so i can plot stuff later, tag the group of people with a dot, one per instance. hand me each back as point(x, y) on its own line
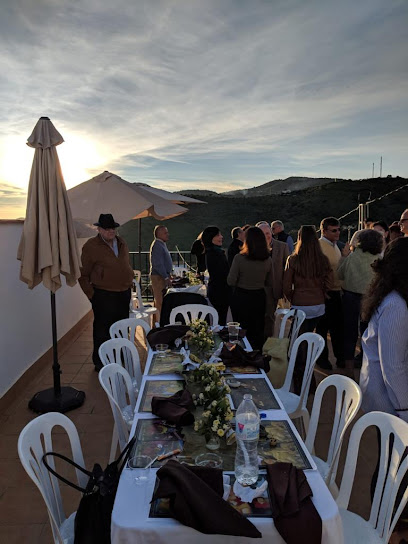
point(345, 289)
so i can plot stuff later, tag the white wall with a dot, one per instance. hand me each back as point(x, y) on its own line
point(25, 315)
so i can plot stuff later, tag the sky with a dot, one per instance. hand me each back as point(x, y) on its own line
point(203, 94)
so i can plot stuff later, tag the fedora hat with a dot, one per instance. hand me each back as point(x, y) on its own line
point(106, 221)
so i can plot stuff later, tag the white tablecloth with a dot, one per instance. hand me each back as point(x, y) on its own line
point(200, 289)
point(130, 517)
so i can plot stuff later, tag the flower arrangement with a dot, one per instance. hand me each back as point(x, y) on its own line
point(194, 279)
point(217, 412)
point(200, 336)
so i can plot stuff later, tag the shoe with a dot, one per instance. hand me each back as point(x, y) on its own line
point(325, 365)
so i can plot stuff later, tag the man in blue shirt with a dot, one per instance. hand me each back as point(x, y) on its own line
point(161, 264)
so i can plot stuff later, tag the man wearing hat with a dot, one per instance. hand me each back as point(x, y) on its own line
point(106, 279)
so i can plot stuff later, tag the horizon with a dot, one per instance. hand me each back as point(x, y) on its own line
point(220, 97)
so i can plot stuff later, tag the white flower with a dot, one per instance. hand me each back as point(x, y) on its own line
point(214, 402)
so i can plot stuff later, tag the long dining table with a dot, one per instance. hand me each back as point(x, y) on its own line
point(133, 518)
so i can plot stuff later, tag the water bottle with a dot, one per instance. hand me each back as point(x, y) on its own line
point(247, 435)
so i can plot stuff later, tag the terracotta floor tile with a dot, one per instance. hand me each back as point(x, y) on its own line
point(22, 534)
point(23, 505)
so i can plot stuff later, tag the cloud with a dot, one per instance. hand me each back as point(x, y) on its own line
point(212, 92)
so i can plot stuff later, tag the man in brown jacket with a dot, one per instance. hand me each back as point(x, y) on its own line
point(106, 279)
point(279, 255)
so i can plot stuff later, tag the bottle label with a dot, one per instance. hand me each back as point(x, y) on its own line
point(247, 431)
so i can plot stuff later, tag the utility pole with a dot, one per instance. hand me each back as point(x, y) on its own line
point(372, 175)
point(381, 167)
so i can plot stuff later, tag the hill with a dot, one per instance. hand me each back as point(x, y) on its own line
point(282, 186)
point(306, 206)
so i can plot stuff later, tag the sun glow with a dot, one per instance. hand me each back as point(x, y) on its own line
point(80, 159)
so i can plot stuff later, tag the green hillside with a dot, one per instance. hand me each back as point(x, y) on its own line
point(308, 206)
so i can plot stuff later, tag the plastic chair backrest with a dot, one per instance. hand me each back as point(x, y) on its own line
point(123, 352)
point(117, 384)
point(392, 468)
point(34, 441)
point(139, 300)
point(298, 317)
point(189, 312)
point(179, 271)
point(315, 345)
point(348, 401)
point(126, 328)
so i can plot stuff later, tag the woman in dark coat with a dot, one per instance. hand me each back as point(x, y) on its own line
point(217, 265)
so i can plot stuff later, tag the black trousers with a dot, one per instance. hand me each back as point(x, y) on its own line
point(308, 325)
point(108, 307)
point(248, 308)
point(220, 299)
point(332, 321)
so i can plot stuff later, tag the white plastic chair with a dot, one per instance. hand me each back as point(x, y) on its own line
point(295, 405)
point(298, 317)
point(193, 311)
point(137, 275)
point(348, 401)
point(34, 441)
point(385, 512)
point(117, 384)
point(127, 328)
point(137, 307)
point(123, 352)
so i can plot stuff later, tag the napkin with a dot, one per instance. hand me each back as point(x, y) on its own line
point(187, 362)
point(215, 357)
point(166, 335)
point(195, 495)
point(248, 494)
point(174, 409)
point(293, 511)
point(237, 356)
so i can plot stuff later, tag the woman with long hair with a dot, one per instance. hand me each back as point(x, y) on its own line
point(217, 265)
point(384, 374)
point(356, 272)
point(250, 273)
point(305, 283)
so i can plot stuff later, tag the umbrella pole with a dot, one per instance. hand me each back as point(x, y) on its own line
point(57, 398)
point(140, 246)
point(55, 366)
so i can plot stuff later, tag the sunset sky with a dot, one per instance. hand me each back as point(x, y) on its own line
point(204, 94)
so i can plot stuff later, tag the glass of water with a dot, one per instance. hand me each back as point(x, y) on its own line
point(141, 465)
point(233, 330)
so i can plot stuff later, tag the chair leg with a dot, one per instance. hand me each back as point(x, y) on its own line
point(114, 444)
point(305, 420)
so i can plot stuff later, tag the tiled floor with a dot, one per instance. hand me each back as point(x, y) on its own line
point(23, 516)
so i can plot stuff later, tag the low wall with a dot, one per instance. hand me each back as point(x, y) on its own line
point(25, 315)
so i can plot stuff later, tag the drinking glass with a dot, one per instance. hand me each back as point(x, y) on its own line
point(161, 349)
point(141, 464)
point(233, 329)
point(211, 460)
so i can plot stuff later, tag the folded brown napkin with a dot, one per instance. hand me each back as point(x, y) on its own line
point(293, 511)
point(174, 409)
point(237, 356)
point(166, 335)
point(195, 495)
point(224, 334)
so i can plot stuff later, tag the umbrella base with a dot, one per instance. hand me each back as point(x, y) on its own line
point(46, 401)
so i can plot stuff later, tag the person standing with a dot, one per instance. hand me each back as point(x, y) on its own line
point(161, 264)
point(219, 292)
point(238, 237)
point(106, 279)
point(305, 283)
point(197, 249)
point(332, 321)
point(356, 272)
point(403, 222)
point(279, 252)
point(278, 232)
point(250, 273)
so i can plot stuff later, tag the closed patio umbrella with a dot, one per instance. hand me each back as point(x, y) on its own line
point(48, 248)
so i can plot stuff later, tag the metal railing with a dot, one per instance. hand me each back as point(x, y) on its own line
point(142, 263)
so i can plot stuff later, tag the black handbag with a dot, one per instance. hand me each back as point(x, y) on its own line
point(93, 517)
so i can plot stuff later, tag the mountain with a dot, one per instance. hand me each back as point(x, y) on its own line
point(282, 186)
point(197, 192)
